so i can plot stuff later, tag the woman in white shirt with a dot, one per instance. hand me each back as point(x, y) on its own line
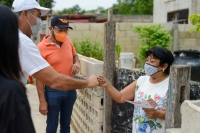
point(153, 85)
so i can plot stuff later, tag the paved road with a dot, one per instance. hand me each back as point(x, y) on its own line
point(38, 119)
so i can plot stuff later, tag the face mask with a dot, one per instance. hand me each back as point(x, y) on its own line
point(36, 28)
point(150, 70)
point(60, 36)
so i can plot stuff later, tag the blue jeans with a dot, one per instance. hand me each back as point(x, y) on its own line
point(59, 102)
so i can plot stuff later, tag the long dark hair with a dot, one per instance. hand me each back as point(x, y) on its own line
point(9, 43)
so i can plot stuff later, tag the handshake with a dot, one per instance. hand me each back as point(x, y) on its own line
point(94, 81)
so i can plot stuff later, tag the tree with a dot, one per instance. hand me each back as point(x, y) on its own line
point(73, 10)
point(143, 7)
point(151, 36)
point(7, 2)
point(45, 3)
point(123, 7)
point(133, 7)
point(99, 10)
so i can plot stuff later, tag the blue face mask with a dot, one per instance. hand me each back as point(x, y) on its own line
point(36, 28)
point(150, 70)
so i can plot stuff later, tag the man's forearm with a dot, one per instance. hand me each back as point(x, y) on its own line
point(64, 82)
point(40, 90)
point(53, 79)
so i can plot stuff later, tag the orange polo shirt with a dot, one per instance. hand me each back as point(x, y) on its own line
point(60, 58)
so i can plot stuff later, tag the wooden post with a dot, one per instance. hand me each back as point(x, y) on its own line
point(108, 70)
point(179, 90)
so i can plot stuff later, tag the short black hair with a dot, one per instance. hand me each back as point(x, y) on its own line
point(164, 55)
point(9, 39)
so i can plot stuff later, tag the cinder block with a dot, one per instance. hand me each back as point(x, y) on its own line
point(97, 101)
point(125, 41)
point(90, 34)
point(125, 26)
point(83, 62)
point(132, 48)
point(190, 111)
point(130, 33)
point(189, 41)
point(76, 34)
point(136, 41)
point(95, 67)
point(91, 66)
point(97, 26)
point(97, 127)
point(120, 34)
point(82, 26)
point(100, 34)
point(99, 91)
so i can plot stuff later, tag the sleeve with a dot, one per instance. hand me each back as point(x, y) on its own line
point(30, 58)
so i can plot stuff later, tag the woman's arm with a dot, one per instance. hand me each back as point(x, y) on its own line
point(128, 93)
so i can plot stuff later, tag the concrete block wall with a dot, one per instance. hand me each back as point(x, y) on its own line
point(128, 40)
point(128, 18)
point(87, 116)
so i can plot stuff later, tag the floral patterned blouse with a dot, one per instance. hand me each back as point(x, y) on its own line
point(144, 91)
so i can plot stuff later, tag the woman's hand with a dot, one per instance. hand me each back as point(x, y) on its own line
point(153, 113)
point(103, 82)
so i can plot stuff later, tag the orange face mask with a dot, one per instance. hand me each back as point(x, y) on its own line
point(60, 36)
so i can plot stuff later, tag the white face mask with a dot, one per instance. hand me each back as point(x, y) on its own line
point(36, 28)
point(150, 70)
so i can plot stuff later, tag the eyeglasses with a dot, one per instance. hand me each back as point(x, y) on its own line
point(61, 30)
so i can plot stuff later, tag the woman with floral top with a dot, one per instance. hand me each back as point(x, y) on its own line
point(153, 85)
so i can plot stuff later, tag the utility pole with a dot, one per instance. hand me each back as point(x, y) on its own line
point(109, 66)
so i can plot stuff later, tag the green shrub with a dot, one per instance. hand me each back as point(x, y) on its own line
point(195, 19)
point(90, 49)
point(117, 51)
point(151, 36)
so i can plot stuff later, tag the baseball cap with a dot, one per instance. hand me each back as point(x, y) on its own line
point(20, 5)
point(61, 22)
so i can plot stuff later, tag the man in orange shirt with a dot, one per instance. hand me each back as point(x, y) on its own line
point(58, 50)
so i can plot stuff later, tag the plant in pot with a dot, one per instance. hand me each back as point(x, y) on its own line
point(151, 36)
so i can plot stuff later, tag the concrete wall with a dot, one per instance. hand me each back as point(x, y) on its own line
point(190, 111)
point(128, 18)
point(128, 40)
point(162, 7)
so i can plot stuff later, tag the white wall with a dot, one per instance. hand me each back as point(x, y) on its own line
point(162, 7)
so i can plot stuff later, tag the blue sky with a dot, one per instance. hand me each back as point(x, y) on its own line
point(84, 4)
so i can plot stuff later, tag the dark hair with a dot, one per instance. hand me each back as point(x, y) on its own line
point(9, 58)
point(164, 55)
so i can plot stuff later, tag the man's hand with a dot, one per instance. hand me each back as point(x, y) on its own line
point(92, 82)
point(75, 68)
point(43, 107)
point(103, 82)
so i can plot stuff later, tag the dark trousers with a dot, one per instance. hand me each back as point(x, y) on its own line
point(59, 103)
